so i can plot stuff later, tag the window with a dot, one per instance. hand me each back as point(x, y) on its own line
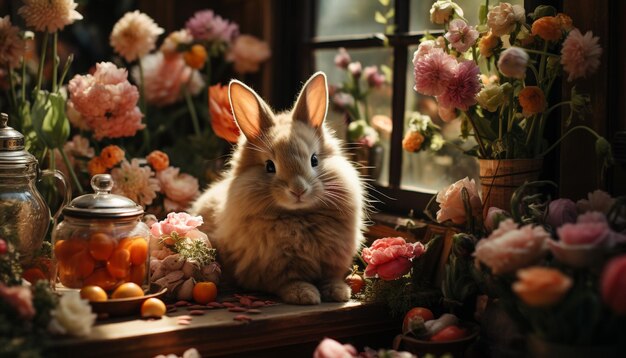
point(406, 180)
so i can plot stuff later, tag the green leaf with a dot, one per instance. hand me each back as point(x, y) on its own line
point(482, 14)
point(379, 18)
point(391, 13)
point(49, 119)
point(384, 2)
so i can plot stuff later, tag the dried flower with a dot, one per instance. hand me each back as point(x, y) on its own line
point(222, 120)
point(532, 100)
point(433, 72)
point(390, 258)
point(580, 54)
point(443, 10)
point(134, 35)
point(12, 46)
point(195, 57)
point(342, 59)
point(614, 285)
point(111, 155)
point(247, 53)
point(158, 160)
point(135, 182)
point(412, 141)
point(174, 40)
point(513, 62)
point(487, 44)
point(504, 17)
point(462, 89)
point(451, 204)
point(541, 286)
point(49, 15)
point(205, 25)
point(460, 35)
point(72, 316)
point(20, 298)
point(179, 189)
point(548, 28)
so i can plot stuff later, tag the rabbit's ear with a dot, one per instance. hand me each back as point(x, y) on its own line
point(312, 103)
point(251, 113)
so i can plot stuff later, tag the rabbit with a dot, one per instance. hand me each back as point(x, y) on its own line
point(289, 214)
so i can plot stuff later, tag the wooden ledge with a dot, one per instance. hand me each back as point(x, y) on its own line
point(281, 328)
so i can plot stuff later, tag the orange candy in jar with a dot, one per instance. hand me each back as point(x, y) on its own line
point(101, 240)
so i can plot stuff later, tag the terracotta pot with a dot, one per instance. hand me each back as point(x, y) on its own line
point(499, 178)
point(539, 348)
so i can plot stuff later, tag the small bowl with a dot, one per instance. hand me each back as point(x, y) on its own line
point(123, 306)
point(421, 347)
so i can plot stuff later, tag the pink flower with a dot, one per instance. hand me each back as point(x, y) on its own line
point(513, 62)
point(451, 206)
point(342, 59)
point(20, 298)
point(106, 102)
point(561, 211)
point(355, 69)
point(165, 78)
point(433, 72)
point(174, 40)
point(447, 114)
point(374, 78)
point(181, 223)
point(247, 53)
point(205, 25)
point(136, 182)
point(461, 35)
point(78, 151)
point(49, 15)
point(503, 18)
point(12, 45)
point(424, 48)
point(342, 100)
point(509, 248)
point(390, 257)
point(494, 217)
point(134, 35)
point(462, 89)
point(580, 55)
point(596, 201)
point(582, 244)
point(179, 189)
point(329, 348)
point(613, 285)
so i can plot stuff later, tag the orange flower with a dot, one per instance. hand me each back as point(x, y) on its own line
point(111, 155)
point(222, 120)
point(541, 286)
point(566, 22)
point(96, 166)
point(412, 142)
point(158, 160)
point(195, 57)
point(532, 100)
point(487, 43)
point(548, 28)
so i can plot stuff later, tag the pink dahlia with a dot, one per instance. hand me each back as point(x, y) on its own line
point(433, 71)
point(134, 35)
point(165, 77)
point(580, 54)
point(462, 89)
point(461, 35)
point(179, 189)
point(49, 15)
point(135, 181)
point(106, 101)
point(205, 25)
point(12, 45)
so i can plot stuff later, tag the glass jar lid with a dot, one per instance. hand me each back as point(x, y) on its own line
point(12, 146)
point(102, 204)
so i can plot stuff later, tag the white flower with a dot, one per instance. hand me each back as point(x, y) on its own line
point(419, 122)
point(436, 142)
point(493, 95)
point(72, 316)
point(442, 11)
point(513, 62)
point(503, 18)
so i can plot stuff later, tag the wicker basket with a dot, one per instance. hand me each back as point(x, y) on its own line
point(499, 178)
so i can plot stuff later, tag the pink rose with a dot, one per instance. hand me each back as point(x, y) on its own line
point(451, 203)
point(179, 189)
point(329, 348)
point(509, 248)
point(181, 223)
point(494, 217)
point(390, 257)
point(614, 285)
point(561, 211)
point(20, 298)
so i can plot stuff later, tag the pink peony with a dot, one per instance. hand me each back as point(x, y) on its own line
point(355, 69)
point(390, 257)
point(424, 48)
point(462, 89)
point(205, 25)
point(165, 78)
point(451, 203)
point(181, 223)
point(460, 35)
point(433, 72)
point(12, 45)
point(329, 348)
point(342, 59)
point(49, 15)
point(509, 248)
point(106, 102)
point(503, 18)
point(513, 62)
point(135, 181)
point(247, 53)
point(134, 35)
point(20, 298)
point(374, 78)
point(580, 54)
point(561, 211)
point(179, 189)
point(596, 201)
point(613, 285)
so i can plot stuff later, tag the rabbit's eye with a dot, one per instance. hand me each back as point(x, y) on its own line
point(270, 167)
point(314, 161)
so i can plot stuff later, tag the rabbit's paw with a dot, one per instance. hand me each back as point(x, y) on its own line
point(335, 290)
point(300, 293)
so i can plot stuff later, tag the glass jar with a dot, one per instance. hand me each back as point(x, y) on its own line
point(102, 240)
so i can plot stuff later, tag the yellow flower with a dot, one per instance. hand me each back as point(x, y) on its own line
point(541, 286)
point(49, 15)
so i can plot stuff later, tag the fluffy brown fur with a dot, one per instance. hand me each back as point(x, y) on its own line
point(292, 232)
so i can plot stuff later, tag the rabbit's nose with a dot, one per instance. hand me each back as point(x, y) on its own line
point(298, 192)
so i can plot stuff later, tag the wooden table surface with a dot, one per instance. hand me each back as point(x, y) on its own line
point(279, 331)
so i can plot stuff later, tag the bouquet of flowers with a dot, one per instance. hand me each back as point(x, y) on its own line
point(498, 76)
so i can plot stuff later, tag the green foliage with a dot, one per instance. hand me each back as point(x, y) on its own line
point(49, 120)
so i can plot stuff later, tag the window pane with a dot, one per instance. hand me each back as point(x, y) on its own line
point(379, 102)
point(349, 17)
point(426, 170)
point(420, 12)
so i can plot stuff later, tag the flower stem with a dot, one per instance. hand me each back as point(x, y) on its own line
point(542, 63)
point(66, 69)
point(23, 80)
point(208, 84)
point(475, 54)
point(13, 95)
point(44, 48)
point(192, 111)
point(142, 90)
point(565, 135)
point(55, 61)
point(70, 167)
point(531, 129)
point(544, 52)
point(481, 146)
